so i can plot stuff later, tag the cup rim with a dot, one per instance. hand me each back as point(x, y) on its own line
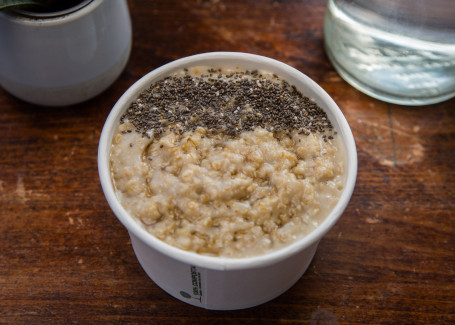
point(74, 13)
point(225, 263)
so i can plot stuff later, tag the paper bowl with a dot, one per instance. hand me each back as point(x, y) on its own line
point(218, 282)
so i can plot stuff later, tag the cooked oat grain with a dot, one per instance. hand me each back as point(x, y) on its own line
point(234, 166)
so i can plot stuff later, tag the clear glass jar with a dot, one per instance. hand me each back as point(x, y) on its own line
point(399, 51)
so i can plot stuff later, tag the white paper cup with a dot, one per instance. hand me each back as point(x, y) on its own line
point(218, 282)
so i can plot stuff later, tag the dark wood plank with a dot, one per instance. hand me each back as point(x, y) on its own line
point(64, 258)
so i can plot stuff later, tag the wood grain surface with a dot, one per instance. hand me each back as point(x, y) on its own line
point(65, 258)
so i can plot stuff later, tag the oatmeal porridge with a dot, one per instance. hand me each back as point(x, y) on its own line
point(226, 162)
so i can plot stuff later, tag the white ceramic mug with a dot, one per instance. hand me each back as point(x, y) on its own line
point(218, 282)
point(67, 57)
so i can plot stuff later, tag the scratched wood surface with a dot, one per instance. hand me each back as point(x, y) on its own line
point(64, 257)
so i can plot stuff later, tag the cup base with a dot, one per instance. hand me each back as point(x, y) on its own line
point(220, 289)
point(66, 95)
point(381, 95)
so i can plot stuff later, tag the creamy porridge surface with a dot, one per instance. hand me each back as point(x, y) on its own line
point(222, 193)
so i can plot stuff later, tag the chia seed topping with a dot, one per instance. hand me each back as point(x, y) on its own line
point(228, 103)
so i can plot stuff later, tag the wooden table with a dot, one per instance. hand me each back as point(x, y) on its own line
point(65, 258)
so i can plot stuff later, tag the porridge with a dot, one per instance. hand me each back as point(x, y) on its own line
point(226, 162)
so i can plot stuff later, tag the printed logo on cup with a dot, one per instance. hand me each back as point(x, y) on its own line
point(196, 285)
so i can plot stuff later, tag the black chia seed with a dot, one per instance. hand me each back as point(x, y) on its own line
point(229, 104)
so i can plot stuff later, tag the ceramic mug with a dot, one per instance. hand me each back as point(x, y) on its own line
point(66, 57)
